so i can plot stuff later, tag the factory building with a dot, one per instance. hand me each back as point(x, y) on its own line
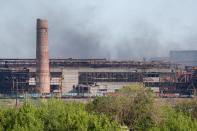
point(68, 75)
point(94, 76)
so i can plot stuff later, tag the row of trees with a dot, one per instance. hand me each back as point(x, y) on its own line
point(54, 115)
point(134, 107)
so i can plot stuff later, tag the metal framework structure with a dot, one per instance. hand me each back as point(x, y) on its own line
point(14, 79)
point(91, 77)
point(169, 82)
point(94, 63)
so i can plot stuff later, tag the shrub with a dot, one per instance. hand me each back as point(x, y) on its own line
point(175, 121)
point(132, 107)
point(54, 115)
point(135, 107)
point(188, 108)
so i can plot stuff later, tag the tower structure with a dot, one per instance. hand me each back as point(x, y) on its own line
point(42, 57)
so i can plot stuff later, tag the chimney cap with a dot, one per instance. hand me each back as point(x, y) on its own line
point(42, 24)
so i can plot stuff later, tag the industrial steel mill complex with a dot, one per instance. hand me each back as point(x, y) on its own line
point(91, 77)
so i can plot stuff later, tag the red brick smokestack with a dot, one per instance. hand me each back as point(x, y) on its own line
point(42, 56)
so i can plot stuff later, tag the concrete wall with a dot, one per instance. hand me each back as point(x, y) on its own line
point(112, 86)
point(70, 78)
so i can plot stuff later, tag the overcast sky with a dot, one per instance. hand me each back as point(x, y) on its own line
point(115, 29)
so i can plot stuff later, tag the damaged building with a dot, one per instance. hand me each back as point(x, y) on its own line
point(88, 76)
point(67, 74)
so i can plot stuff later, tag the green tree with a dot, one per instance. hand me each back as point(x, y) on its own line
point(133, 106)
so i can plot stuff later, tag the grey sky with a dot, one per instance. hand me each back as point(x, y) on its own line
point(126, 29)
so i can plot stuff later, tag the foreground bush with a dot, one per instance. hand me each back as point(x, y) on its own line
point(189, 108)
point(54, 116)
point(174, 121)
point(133, 107)
point(136, 108)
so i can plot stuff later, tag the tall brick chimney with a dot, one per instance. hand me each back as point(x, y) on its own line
point(42, 57)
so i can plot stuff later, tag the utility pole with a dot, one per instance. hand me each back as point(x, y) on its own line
point(61, 80)
point(16, 92)
point(13, 87)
